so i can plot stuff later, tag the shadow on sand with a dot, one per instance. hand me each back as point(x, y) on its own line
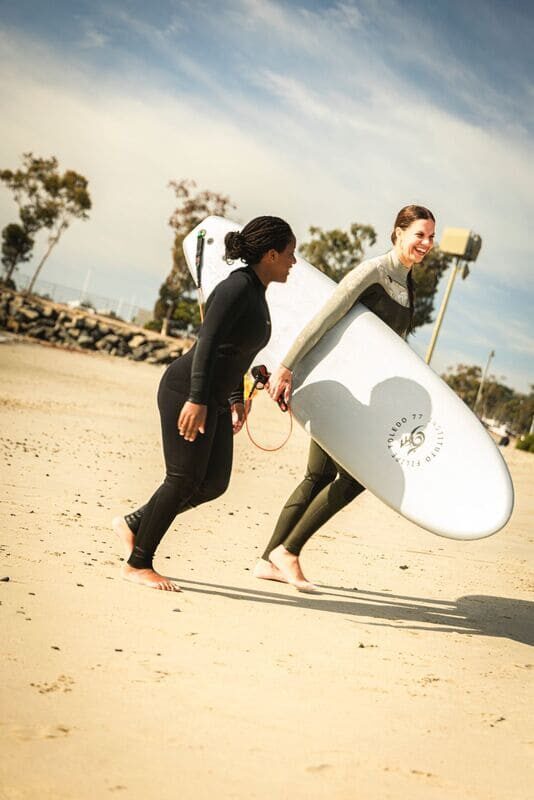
point(482, 615)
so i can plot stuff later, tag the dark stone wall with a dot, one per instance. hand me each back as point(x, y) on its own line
point(75, 328)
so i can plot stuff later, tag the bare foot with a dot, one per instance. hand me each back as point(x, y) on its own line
point(289, 566)
point(264, 569)
point(125, 534)
point(148, 577)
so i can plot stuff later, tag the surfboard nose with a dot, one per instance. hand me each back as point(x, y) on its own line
point(479, 498)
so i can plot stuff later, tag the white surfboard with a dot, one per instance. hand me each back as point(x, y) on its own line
point(375, 406)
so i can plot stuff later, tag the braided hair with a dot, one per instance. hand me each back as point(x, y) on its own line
point(404, 219)
point(257, 237)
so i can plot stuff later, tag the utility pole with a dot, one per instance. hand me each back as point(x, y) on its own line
point(83, 295)
point(479, 393)
point(443, 308)
point(465, 245)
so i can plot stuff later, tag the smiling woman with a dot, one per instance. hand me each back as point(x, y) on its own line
point(385, 286)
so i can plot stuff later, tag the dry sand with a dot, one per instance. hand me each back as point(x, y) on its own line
point(410, 676)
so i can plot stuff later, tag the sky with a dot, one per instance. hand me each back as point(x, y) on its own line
point(324, 113)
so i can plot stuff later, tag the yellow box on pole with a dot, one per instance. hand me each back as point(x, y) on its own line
point(461, 242)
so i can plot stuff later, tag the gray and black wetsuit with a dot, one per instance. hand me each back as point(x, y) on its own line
point(236, 326)
point(385, 286)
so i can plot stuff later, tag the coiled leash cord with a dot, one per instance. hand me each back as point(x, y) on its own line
point(261, 376)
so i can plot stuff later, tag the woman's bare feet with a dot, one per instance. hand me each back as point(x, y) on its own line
point(289, 566)
point(148, 577)
point(125, 534)
point(267, 571)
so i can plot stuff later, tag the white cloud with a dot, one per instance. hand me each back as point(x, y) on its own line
point(348, 15)
point(129, 148)
point(271, 18)
point(355, 143)
point(92, 38)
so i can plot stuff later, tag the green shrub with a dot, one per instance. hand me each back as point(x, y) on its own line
point(153, 325)
point(526, 443)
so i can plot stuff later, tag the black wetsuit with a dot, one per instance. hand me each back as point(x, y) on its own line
point(385, 287)
point(236, 326)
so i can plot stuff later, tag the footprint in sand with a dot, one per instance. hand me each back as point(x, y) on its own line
point(62, 684)
point(31, 733)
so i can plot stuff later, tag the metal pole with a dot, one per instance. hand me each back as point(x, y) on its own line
point(479, 393)
point(442, 310)
point(85, 286)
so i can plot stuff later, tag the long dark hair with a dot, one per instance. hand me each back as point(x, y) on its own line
point(404, 219)
point(258, 237)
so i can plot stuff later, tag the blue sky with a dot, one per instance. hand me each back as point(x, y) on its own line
point(325, 113)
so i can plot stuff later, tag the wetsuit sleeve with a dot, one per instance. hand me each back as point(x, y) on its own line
point(225, 307)
point(345, 295)
point(238, 394)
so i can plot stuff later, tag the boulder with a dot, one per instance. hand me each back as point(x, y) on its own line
point(136, 341)
point(84, 340)
point(27, 314)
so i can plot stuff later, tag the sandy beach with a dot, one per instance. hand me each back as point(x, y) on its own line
point(409, 676)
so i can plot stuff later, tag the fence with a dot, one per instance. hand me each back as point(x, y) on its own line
point(81, 297)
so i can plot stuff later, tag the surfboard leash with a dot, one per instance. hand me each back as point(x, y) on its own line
point(261, 376)
point(199, 260)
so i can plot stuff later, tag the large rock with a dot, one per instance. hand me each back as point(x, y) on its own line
point(86, 341)
point(136, 341)
point(27, 314)
point(141, 352)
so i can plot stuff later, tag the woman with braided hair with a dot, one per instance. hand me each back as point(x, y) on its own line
point(200, 396)
point(385, 285)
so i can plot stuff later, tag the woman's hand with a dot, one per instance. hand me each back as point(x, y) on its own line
point(192, 420)
point(280, 384)
point(239, 411)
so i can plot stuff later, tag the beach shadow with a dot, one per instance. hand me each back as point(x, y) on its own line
point(473, 615)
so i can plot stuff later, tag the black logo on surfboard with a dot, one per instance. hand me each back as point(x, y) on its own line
point(412, 442)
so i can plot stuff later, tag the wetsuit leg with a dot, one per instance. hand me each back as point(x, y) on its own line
point(217, 476)
point(219, 467)
point(133, 520)
point(325, 490)
point(195, 472)
point(320, 472)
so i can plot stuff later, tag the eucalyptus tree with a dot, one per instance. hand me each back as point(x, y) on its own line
point(47, 199)
point(17, 246)
point(193, 206)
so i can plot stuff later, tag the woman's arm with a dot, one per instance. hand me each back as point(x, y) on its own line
point(225, 307)
point(345, 295)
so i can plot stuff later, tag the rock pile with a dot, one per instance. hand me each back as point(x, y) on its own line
point(61, 325)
